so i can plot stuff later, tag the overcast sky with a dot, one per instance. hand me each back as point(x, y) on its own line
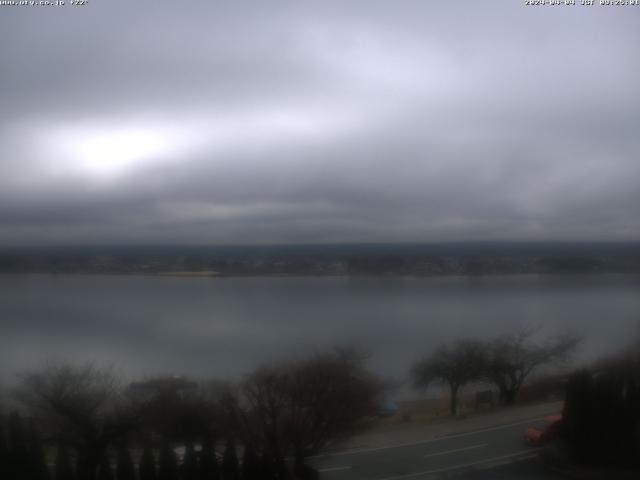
point(318, 121)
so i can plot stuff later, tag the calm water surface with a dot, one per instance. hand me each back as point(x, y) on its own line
point(224, 326)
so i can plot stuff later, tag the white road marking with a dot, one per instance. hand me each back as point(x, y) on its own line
point(334, 469)
point(521, 453)
point(423, 442)
point(455, 450)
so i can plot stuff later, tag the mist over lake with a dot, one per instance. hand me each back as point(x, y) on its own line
point(224, 327)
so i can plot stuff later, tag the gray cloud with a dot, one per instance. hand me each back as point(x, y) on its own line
point(292, 122)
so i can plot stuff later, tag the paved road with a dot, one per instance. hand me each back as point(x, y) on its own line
point(462, 455)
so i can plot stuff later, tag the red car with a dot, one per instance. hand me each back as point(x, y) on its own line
point(539, 435)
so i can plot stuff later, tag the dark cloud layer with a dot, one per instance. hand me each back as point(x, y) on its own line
point(296, 121)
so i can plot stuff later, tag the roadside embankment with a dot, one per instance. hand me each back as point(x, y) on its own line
point(382, 434)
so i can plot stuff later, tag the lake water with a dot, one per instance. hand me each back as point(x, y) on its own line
point(223, 327)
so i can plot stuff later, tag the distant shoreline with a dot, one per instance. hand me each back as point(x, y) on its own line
point(331, 261)
point(218, 275)
point(195, 273)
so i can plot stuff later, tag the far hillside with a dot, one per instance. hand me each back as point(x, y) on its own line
point(333, 259)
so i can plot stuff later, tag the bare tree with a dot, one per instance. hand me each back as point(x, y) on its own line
point(302, 407)
point(264, 414)
point(510, 359)
point(328, 397)
point(178, 407)
point(453, 365)
point(84, 405)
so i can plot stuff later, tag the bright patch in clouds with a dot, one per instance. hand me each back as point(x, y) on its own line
point(105, 151)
